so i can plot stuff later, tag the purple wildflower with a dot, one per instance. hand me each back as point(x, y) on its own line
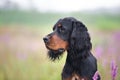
point(117, 35)
point(95, 77)
point(114, 70)
point(112, 50)
point(98, 51)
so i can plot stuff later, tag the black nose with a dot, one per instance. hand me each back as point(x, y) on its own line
point(46, 39)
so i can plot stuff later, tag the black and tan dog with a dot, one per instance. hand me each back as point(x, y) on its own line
point(72, 36)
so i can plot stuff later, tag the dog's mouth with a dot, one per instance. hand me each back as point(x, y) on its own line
point(55, 54)
point(58, 50)
point(54, 49)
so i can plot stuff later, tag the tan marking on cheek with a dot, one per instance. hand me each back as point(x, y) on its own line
point(57, 43)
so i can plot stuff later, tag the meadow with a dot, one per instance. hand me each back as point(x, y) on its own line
point(23, 55)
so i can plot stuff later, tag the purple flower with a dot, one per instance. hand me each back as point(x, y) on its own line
point(114, 70)
point(95, 77)
point(117, 35)
point(112, 50)
point(98, 51)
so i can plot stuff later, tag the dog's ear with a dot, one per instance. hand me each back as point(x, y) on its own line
point(80, 38)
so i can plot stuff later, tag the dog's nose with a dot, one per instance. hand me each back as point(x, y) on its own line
point(46, 39)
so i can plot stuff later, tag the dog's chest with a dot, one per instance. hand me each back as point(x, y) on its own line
point(75, 77)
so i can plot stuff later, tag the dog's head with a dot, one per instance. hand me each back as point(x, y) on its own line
point(67, 33)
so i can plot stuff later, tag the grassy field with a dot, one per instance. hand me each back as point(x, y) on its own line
point(23, 54)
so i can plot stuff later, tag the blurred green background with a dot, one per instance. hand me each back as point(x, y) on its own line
point(23, 55)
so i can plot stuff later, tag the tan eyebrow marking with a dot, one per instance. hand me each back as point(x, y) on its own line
point(59, 25)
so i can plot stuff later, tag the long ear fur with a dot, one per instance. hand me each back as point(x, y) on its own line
point(80, 39)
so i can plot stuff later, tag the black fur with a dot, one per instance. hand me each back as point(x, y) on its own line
point(79, 58)
point(53, 55)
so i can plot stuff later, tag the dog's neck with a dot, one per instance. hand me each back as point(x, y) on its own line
point(77, 57)
point(73, 54)
point(80, 53)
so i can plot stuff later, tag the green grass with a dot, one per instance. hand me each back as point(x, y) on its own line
point(23, 55)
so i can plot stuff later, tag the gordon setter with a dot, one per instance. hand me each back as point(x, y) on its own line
point(72, 36)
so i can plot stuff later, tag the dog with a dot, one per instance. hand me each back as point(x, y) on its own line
point(72, 36)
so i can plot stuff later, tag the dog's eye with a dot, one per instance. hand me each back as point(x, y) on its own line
point(62, 30)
